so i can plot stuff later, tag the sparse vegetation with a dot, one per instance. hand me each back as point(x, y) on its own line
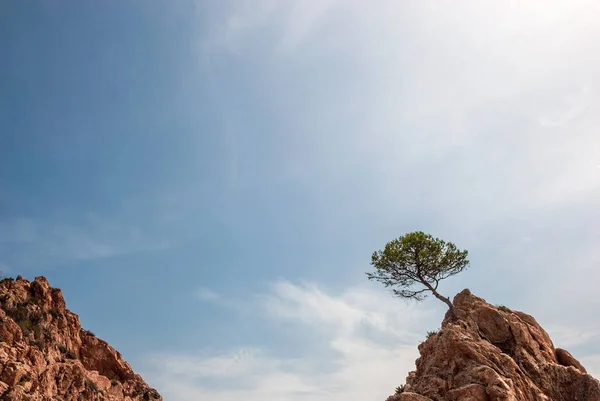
point(18, 312)
point(67, 352)
point(417, 259)
point(32, 301)
point(400, 389)
point(24, 317)
point(150, 394)
point(25, 325)
point(54, 312)
point(41, 345)
point(504, 308)
point(114, 382)
point(37, 316)
point(25, 378)
point(88, 333)
point(91, 385)
point(38, 332)
point(432, 333)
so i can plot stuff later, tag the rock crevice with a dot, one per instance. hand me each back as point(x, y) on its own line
point(489, 353)
point(45, 355)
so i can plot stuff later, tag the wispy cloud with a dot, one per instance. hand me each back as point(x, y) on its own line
point(573, 107)
point(237, 23)
point(304, 17)
point(477, 119)
point(29, 242)
point(205, 294)
point(569, 337)
point(366, 347)
point(367, 343)
point(458, 99)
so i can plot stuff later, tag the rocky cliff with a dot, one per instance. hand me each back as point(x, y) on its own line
point(45, 354)
point(489, 353)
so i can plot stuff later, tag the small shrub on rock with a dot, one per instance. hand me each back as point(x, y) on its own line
point(25, 378)
point(431, 334)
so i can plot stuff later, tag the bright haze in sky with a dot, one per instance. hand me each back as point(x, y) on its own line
point(206, 180)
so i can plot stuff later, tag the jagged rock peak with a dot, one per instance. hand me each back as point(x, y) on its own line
point(45, 355)
point(489, 353)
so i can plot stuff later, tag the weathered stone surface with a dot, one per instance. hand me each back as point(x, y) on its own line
point(412, 397)
point(470, 392)
point(492, 354)
point(565, 358)
point(45, 355)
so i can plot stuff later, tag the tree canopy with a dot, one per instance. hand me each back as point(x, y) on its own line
point(415, 263)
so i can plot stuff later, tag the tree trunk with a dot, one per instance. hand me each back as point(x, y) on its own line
point(444, 300)
point(438, 296)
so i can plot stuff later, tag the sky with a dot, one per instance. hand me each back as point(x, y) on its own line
point(207, 180)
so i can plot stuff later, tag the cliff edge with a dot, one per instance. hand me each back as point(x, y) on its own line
point(489, 353)
point(45, 355)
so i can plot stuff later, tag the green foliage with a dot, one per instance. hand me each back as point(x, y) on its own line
point(114, 382)
point(41, 345)
point(92, 385)
point(25, 325)
point(150, 394)
point(431, 333)
point(25, 378)
point(38, 332)
point(32, 301)
point(39, 336)
point(54, 312)
point(18, 312)
point(67, 352)
point(504, 308)
point(417, 259)
point(400, 389)
point(25, 317)
point(37, 316)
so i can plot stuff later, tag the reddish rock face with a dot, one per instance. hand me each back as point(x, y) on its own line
point(495, 354)
point(45, 355)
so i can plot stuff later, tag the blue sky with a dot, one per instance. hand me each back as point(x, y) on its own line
point(206, 180)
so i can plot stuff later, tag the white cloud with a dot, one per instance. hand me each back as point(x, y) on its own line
point(481, 116)
point(346, 313)
point(303, 18)
point(441, 98)
point(206, 294)
point(574, 107)
point(368, 346)
point(568, 337)
point(235, 24)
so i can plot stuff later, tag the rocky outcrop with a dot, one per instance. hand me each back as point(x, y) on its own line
point(488, 353)
point(45, 355)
